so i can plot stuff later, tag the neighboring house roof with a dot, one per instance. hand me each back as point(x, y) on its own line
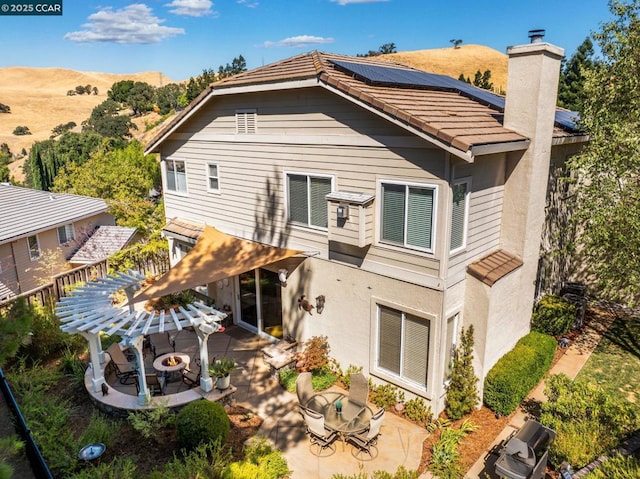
point(25, 211)
point(451, 112)
point(104, 242)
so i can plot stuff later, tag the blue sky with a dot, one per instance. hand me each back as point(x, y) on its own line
point(182, 37)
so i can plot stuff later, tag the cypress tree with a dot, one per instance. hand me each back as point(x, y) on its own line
point(462, 392)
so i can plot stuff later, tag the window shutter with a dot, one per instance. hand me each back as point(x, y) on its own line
point(458, 211)
point(393, 213)
point(389, 339)
point(419, 217)
point(415, 359)
point(319, 188)
point(298, 199)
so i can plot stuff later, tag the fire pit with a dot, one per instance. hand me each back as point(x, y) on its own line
point(171, 365)
point(172, 360)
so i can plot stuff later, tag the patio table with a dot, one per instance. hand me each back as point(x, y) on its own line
point(353, 419)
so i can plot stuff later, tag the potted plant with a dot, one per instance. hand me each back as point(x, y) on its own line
point(221, 369)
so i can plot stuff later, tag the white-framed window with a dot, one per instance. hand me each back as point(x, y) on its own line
point(65, 234)
point(213, 177)
point(176, 176)
point(408, 214)
point(451, 343)
point(459, 214)
point(403, 345)
point(246, 121)
point(34, 247)
point(306, 202)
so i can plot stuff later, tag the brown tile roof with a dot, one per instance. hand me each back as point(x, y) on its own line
point(448, 116)
point(494, 266)
point(183, 228)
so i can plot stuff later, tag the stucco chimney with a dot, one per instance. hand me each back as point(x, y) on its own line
point(532, 89)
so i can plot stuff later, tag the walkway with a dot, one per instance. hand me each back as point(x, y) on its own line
point(570, 364)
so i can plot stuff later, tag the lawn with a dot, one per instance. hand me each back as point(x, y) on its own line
point(615, 363)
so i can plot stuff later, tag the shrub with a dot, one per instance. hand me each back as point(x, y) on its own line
point(148, 422)
point(316, 353)
point(445, 457)
point(261, 462)
point(517, 372)
point(21, 130)
point(617, 467)
point(401, 473)
point(119, 468)
point(553, 315)
point(100, 429)
point(462, 391)
point(417, 411)
point(386, 395)
point(207, 461)
point(588, 420)
point(288, 379)
point(323, 381)
point(202, 422)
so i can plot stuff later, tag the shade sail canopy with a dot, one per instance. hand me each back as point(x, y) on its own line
point(215, 256)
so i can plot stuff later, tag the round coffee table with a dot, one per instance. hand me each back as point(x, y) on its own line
point(171, 365)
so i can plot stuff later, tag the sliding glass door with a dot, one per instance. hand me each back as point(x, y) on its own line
point(261, 302)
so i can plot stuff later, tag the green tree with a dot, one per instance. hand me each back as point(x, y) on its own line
point(140, 98)
point(106, 121)
point(382, 50)
point(123, 178)
point(238, 65)
point(483, 80)
point(5, 108)
point(169, 97)
point(462, 391)
point(462, 78)
point(608, 168)
point(572, 76)
point(62, 127)
point(21, 130)
point(14, 327)
point(119, 91)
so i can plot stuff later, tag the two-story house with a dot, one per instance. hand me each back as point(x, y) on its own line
point(39, 231)
point(406, 204)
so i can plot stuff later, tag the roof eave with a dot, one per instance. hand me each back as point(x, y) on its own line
point(569, 140)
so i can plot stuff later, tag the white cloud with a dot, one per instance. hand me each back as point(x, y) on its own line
point(249, 3)
point(132, 24)
point(299, 41)
point(347, 2)
point(192, 8)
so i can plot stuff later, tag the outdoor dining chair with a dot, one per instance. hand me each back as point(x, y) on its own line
point(359, 389)
point(125, 371)
point(321, 437)
point(304, 388)
point(162, 343)
point(157, 384)
point(191, 378)
point(365, 442)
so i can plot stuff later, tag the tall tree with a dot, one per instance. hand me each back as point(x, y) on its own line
point(608, 169)
point(572, 76)
point(462, 391)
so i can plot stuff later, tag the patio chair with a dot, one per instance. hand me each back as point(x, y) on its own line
point(365, 442)
point(359, 389)
point(321, 437)
point(125, 371)
point(191, 378)
point(156, 383)
point(304, 389)
point(162, 343)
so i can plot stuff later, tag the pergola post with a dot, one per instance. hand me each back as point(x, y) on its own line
point(203, 331)
point(144, 396)
point(97, 358)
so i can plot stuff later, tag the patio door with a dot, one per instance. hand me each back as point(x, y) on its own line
point(260, 302)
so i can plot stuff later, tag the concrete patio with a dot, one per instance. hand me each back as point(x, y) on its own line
point(400, 442)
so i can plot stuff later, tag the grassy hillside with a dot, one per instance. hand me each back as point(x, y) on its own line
point(466, 59)
point(38, 100)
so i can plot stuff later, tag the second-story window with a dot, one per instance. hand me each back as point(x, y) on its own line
point(34, 247)
point(459, 211)
point(176, 176)
point(65, 234)
point(407, 215)
point(307, 203)
point(213, 179)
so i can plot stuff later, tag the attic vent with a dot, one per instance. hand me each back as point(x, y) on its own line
point(246, 121)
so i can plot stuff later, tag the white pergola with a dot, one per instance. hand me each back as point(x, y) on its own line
point(89, 311)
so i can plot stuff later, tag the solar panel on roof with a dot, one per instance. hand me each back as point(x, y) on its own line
point(388, 75)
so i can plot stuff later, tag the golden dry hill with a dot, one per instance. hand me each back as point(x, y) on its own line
point(38, 100)
point(466, 59)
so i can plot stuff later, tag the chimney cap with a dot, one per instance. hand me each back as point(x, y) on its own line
point(536, 35)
